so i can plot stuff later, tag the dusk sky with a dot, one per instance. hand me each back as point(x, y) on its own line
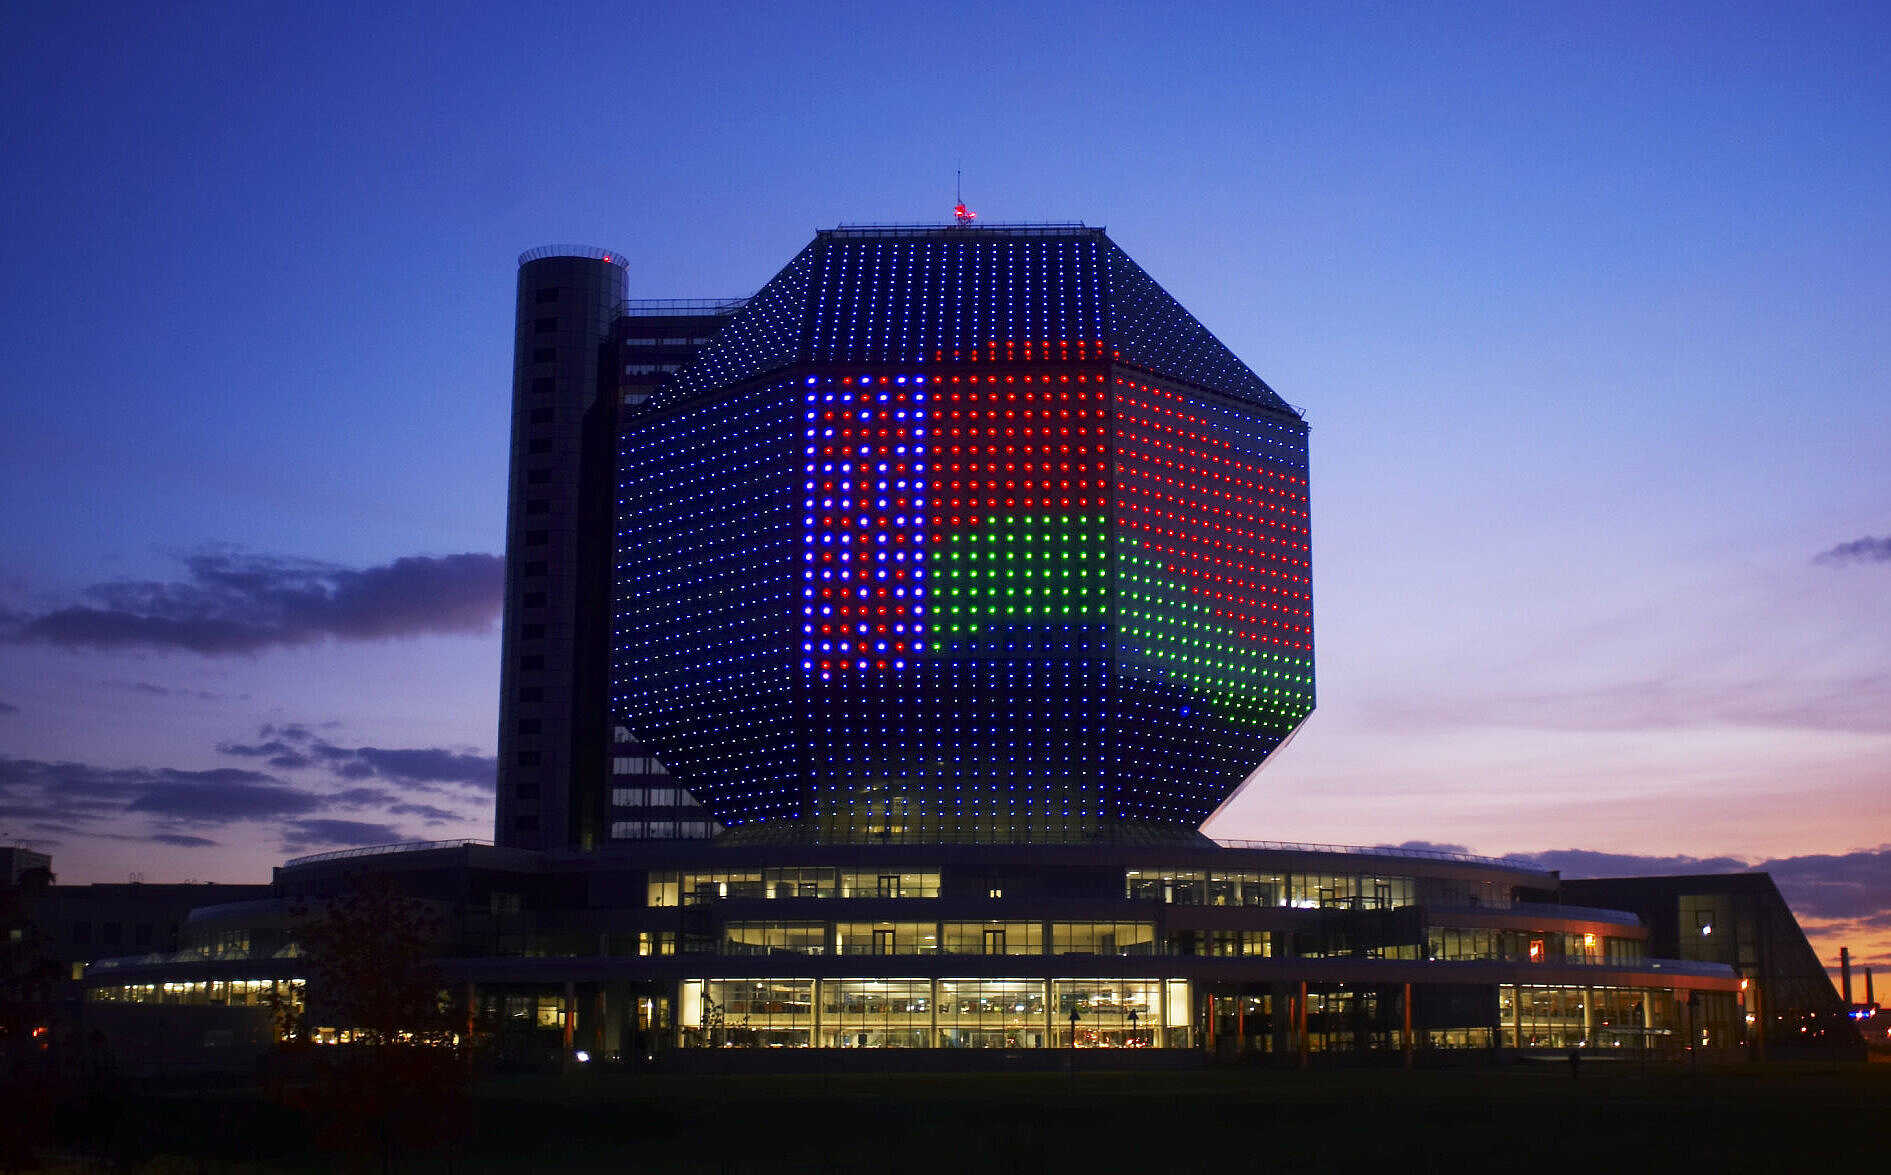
point(1587, 306)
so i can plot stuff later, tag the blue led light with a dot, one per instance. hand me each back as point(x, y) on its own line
point(717, 501)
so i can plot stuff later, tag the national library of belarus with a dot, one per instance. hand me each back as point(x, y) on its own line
point(875, 648)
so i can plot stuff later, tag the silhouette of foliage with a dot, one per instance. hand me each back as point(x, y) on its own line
point(400, 1080)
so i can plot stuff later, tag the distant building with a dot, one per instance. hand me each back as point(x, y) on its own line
point(15, 861)
point(1740, 920)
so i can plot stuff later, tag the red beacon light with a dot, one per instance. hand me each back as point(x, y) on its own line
point(962, 214)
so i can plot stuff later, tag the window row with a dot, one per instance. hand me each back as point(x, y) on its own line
point(663, 829)
point(1183, 887)
point(227, 992)
point(935, 1013)
point(637, 765)
point(692, 888)
point(938, 938)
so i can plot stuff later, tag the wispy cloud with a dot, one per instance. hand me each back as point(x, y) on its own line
point(184, 842)
point(1870, 549)
point(1589, 863)
point(151, 689)
point(8, 708)
point(1854, 886)
point(176, 806)
point(294, 746)
point(301, 835)
point(232, 602)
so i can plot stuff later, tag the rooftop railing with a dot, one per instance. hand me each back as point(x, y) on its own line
point(679, 307)
point(1384, 851)
point(408, 846)
point(588, 252)
point(1582, 913)
point(1046, 228)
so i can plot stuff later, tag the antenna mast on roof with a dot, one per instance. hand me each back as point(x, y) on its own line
point(960, 212)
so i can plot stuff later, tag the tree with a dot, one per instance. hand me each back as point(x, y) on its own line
point(29, 985)
point(401, 1078)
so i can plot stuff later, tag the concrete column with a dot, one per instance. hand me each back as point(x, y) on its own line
point(815, 1039)
point(1050, 1013)
point(1406, 1039)
point(1300, 1024)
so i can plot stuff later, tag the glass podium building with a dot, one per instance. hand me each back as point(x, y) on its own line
point(875, 648)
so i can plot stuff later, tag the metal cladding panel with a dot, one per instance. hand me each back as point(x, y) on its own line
point(1014, 587)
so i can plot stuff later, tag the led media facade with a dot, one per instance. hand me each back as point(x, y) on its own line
point(943, 538)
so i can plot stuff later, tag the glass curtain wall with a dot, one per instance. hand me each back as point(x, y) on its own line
point(1186, 887)
point(934, 1013)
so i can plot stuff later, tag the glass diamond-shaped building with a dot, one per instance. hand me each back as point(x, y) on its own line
point(963, 534)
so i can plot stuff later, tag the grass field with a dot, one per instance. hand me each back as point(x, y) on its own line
point(1757, 1118)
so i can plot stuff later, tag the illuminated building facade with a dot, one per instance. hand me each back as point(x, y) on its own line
point(964, 534)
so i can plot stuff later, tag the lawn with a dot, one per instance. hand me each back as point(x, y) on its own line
point(1613, 1118)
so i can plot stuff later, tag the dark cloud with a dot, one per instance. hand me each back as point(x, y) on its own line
point(426, 812)
point(239, 603)
point(1426, 846)
point(96, 800)
point(301, 834)
point(223, 801)
point(1575, 863)
point(162, 691)
point(279, 754)
point(362, 797)
point(1870, 549)
point(1853, 886)
point(8, 708)
point(291, 747)
point(430, 766)
point(255, 750)
point(177, 807)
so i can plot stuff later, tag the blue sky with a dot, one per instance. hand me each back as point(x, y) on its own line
point(1585, 304)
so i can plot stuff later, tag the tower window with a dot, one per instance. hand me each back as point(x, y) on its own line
point(545, 326)
point(548, 294)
